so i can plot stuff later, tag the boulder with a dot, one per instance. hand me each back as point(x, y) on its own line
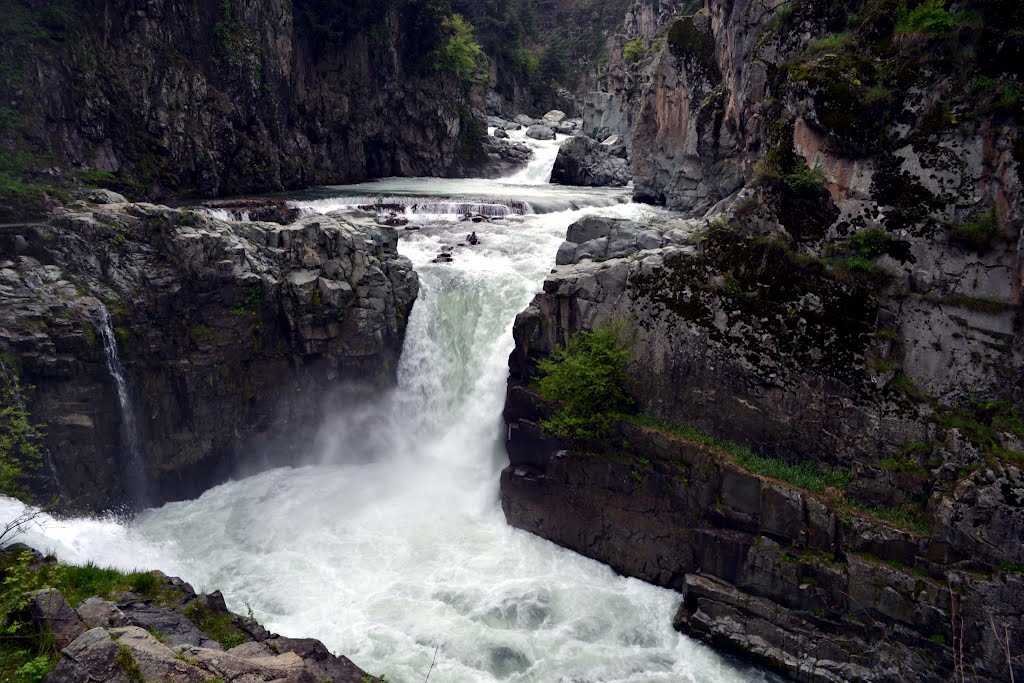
point(500, 133)
point(565, 127)
point(540, 132)
point(502, 124)
point(554, 116)
point(175, 628)
point(99, 612)
point(102, 196)
point(49, 608)
point(599, 238)
point(524, 120)
point(584, 161)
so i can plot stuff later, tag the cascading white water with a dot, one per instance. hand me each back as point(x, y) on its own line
point(390, 543)
point(131, 450)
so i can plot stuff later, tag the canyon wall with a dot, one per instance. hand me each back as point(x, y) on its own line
point(210, 98)
point(235, 340)
point(826, 457)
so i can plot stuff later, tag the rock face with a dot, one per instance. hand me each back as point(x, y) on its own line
point(584, 161)
point(221, 100)
point(173, 634)
point(234, 338)
point(832, 314)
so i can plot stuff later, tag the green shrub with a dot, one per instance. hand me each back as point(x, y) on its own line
point(804, 181)
point(26, 654)
point(20, 440)
point(460, 54)
point(931, 17)
point(979, 233)
point(587, 380)
point(634, 50)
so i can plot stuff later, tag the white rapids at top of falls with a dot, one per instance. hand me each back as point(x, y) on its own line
point(389, 543)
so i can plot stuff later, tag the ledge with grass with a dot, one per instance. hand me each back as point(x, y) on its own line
point(66, 623)
point(795, 550)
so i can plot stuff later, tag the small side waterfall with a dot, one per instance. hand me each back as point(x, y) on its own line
point(134, 467)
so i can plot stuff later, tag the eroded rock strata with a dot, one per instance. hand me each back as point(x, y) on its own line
point(234, 337)
point(160, 629)
point(827, 448)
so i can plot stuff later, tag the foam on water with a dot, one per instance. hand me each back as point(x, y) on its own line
point(390, 543)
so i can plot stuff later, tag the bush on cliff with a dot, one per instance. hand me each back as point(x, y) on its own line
point(460, 54)
point(20, 454)
point(587, 379)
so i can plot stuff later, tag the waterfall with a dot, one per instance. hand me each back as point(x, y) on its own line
point(388, 542)
point(131, 451)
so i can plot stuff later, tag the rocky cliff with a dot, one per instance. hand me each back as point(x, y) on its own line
point(215, 98)
point(234, 337)
point(86, 623)
point(827, 447)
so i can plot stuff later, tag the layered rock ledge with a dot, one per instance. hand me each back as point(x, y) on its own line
point(234, 337)
point(905, 564)
point(160, 629)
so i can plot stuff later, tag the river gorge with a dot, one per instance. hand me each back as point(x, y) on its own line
point(388, 542)
point(611, 341)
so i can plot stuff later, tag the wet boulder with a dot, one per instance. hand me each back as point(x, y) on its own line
point(554, 116)
point(540, 132)
point(500, 133)
point(584, 161)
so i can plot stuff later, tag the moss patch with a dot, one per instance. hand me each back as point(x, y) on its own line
point(218, 625)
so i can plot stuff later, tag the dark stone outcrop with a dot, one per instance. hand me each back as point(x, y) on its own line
point(171, 97)
point(166, 633)
point(233, 336)
point(789, 578)
point(769, 322)
point(584, 161)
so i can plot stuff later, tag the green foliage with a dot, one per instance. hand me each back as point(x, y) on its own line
point(634, 50)
point(907, 516)
point(201, 334)
point(903, 464)
point(807, 475)
point(930, 17)
point(128, 665)
point(983, 423)
point(460, 54)
point(20, 440)
point(218, 625)
point(686, 41)
point(803, 180)
point(27, 654)
point(979, 233)
point(835, 41)
point(237, 46)
point(587, 380)
point(528, 61)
